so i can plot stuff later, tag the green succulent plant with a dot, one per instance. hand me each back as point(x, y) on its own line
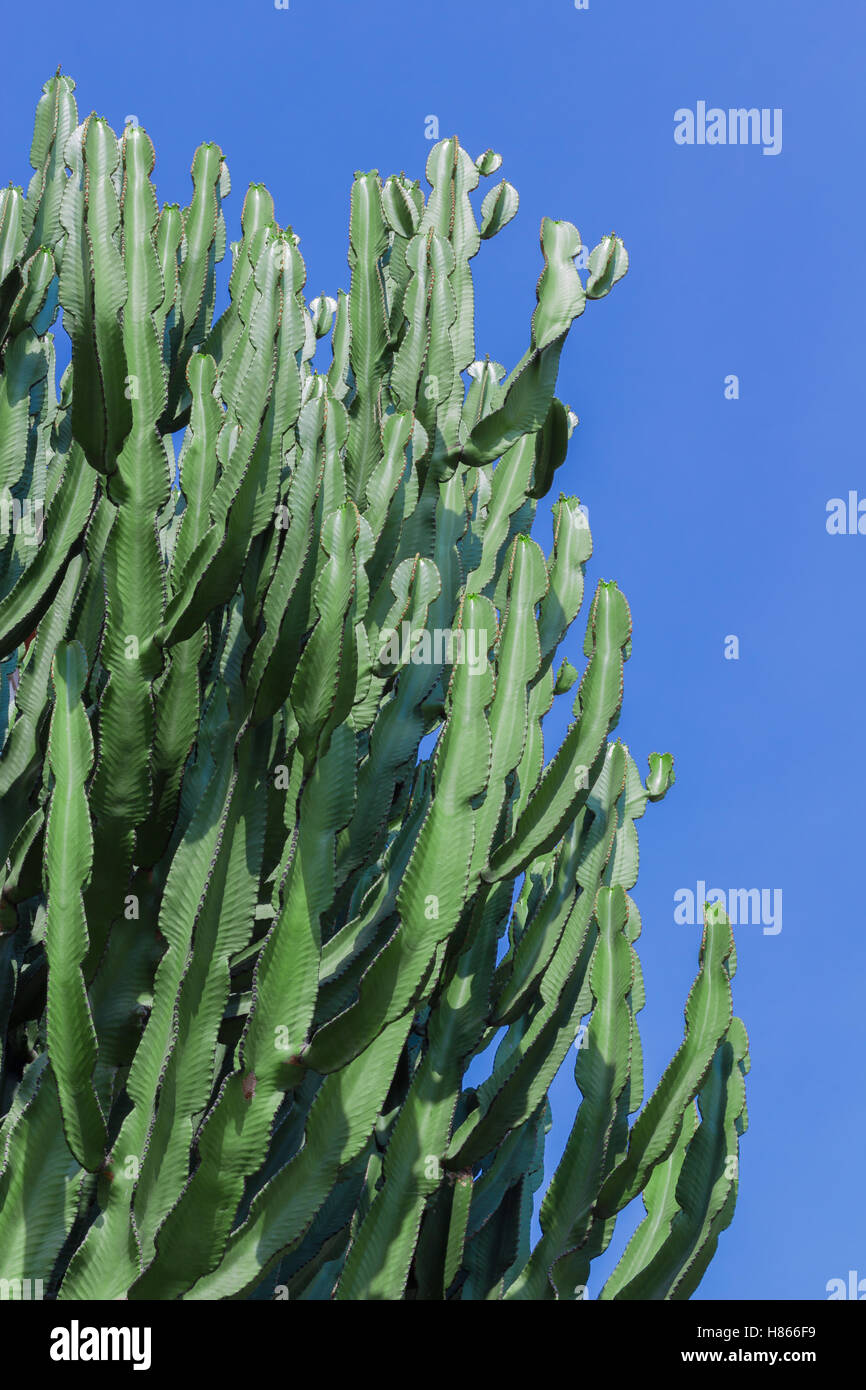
point(272, 880)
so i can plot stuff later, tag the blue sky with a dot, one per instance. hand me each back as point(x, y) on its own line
point(710, 513)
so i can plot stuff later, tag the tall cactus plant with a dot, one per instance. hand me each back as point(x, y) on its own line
point(282, 852)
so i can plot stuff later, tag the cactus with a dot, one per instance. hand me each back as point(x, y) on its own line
point(282, 850)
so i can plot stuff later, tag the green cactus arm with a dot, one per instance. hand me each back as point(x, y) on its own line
point(290, 341)
point(488, 163)
point(36, 302)
point(107, 1260)
point(530, 768)
point(408, 359)
point(477, 488)
point(322, 310)
point(346, 954)
point(568, 1276)
point(451, 519)
point(428, 907)
point(223, 928)
point(233, 1140)
point(581, 861)
point(222, 341)
point(334, 433)
point(66, 520)
point(318, 692)
point(505, 1166)
point(440, 379)
point(33, 1075)
point(398, 730)
point(563, 787)
point(68, 864)
point(659, 1198)
point(177, 706)
point(286, 604)
point(169, 236)
point(122, 787)
point(140, 486)
point(524, 1216)
point(177, 700)
point(500, 205)
point(690, 1197)
point(105, 897)
point(427, 1275)
point(368, 316)
point(19, 767)
point(215, 565)
point(383, 505)
point(622, 866)
point(278, 429)
point(453, 176)
point(340, 1122)
point(340, 371)
point(287, 1134)
point(402, 204)
point(601, 1072)
point(404, 537)
point(529, 390)
point(707, 1205)
point(559, 293)
point(708, 1016)
point(23, 878)
point(246, 375)
point(378, 1262)
point(485, 392)
point(608, 262)
point(460, 1205)
point(10, 965)
point(607, 803)
point(88, 610)
point(551, 447)
point(510, 485)
point(532, 1050)
point(12, 241)
point(661, 775)
point(56, 119)
point(517, 659)
point(516, 1086)
point(120, 994)
point(147, 383)
point(41, 1185)
point(194, 303)
point(24, 366)
point(492, 1252)
point(325, 1241)
point(289, 966)
point(93, 291)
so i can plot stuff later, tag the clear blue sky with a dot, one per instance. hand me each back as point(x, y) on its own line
point(710, 513)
